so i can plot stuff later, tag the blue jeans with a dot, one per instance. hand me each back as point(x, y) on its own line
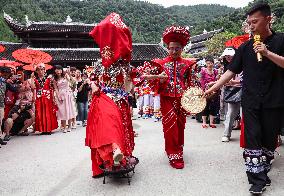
point(82, 111)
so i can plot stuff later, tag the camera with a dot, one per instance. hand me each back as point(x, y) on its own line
point(28, 107)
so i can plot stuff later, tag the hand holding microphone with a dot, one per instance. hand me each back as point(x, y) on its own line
point(256, 44)
point(259, 48)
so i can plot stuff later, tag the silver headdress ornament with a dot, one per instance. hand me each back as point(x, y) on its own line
point(98, 67)
point(113, 71)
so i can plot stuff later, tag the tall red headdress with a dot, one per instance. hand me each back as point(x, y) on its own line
point(114, 39)
point(176, 34)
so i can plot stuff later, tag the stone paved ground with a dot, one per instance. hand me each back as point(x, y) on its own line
point(60, 164)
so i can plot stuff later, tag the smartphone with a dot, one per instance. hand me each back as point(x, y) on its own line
point(18, 76)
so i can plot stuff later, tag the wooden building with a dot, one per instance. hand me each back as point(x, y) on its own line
point(196, 43)
point(69, 42)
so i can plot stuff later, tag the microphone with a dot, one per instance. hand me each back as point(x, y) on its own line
point(257, 41)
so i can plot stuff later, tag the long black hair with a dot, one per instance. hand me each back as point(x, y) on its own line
point(58, 67)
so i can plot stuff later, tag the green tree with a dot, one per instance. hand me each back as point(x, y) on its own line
point(148, 20)
point(216, 44)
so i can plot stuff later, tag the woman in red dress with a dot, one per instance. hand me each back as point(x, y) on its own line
point(109, 131)
point(45, 109)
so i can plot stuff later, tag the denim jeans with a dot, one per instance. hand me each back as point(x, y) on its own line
point(82, 111)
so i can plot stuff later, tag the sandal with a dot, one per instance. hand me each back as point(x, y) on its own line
point(204, 126)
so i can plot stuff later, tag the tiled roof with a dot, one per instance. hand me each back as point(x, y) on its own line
point(141, 52)
point(13, 24)
point(59, 27)
point(198, 45)
point(72, 54)
point(48, 26)
point(204, 36)
point(9, 48)
point(148, 52)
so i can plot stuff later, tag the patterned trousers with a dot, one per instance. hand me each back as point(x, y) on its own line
point(261, 129)
point(173, 120)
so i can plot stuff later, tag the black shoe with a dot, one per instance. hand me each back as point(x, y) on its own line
point(7, 138)
point(45, 133)
point(236, 128)
point(257, 189)
point(23, 134)
point(98, 176)
point(268, 181)
point(2, 142)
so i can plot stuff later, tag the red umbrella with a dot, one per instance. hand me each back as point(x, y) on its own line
point(8, 63)
point(10, 66)
point(47, 66)
point(31, 56)
point(32, 67)
point(237, 41)
point(2, 48)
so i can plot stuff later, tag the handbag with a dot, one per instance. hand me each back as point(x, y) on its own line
point(232, 94)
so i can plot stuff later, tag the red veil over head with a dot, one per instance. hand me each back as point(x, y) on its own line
point(114, 39)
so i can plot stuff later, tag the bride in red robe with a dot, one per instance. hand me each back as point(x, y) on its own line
point(109, 131)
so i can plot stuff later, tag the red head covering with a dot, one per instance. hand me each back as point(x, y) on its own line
point(176, 34)
point(114, 39)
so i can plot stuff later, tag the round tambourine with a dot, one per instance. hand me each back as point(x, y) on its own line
point(192, 100)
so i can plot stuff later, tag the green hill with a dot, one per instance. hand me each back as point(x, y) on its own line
point(147, 21)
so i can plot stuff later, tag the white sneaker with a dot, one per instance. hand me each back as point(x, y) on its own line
point(69, 130)
point(64, 130)
point(225, 139)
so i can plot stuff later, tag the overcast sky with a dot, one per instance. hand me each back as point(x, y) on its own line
point(230, 3)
